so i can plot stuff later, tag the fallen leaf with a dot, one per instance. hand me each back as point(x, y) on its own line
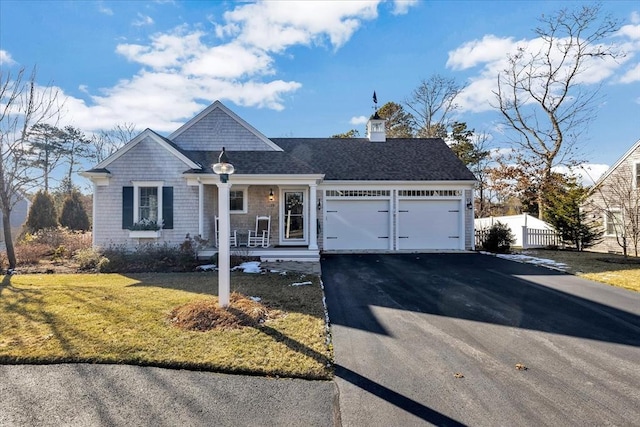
point(458, 375)
point(521, 367)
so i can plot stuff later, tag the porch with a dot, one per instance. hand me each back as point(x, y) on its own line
point(270, 254)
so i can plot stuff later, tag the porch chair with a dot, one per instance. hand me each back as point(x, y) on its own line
point(260, 236)
point(233, 237)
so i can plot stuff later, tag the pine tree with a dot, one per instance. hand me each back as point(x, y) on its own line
point(42, 213)
point(73, 215)
point(569, 220)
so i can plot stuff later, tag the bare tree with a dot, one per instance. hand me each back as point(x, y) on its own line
point(542, 94)
point(23, 104)
point(109, 141)
point(76, 147)
point(433, 103)
point(44, 150)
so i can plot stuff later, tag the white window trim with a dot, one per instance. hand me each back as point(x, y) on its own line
point(606, 221)
point(136, 198)
point(245, 199)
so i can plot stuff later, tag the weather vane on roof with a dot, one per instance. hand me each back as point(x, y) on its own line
point(375, 105)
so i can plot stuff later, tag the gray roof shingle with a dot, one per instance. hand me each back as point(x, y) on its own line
point(397, 159)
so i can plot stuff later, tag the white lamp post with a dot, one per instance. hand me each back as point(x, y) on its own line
point(224, 169)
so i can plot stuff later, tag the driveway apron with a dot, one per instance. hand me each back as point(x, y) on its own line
point(471, 339)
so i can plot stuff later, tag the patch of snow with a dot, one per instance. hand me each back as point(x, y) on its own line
point(544, 262)
point(301, 284)
point(256, 299)
point(206, 267)
point(249, 267)
point(284, 273)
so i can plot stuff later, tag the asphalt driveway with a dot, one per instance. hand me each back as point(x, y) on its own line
point(403, 326)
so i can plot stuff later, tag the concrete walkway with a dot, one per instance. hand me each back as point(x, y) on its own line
point(121, 395)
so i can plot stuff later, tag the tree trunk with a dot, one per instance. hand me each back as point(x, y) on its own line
point(8, 240)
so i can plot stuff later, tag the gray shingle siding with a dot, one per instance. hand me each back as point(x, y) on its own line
point(144, 162)
point(217, 130)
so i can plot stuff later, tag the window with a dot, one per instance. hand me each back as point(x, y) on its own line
point(148, 204)
point(147, 200)
point(636, 175)
point(613, 222)
point(238, 200)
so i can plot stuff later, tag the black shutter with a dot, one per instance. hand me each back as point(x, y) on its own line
point(127, 207)
point(167, 208)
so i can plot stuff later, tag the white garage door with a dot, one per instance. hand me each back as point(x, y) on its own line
point(356, 224)
point(429, 224)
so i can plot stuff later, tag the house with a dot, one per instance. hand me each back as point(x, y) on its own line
point(529, 231)
point(614, 201)
point(321, 194)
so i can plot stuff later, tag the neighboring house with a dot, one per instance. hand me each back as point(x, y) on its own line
point(529, 231)
point(615, 202)
point(17, 219)
point(322, 194)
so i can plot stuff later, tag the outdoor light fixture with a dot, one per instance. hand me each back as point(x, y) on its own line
point(319, 204)
point(469, 204)
point(271, 194)
point(223, 167)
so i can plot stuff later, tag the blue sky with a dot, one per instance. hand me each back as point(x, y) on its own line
point(294, 68)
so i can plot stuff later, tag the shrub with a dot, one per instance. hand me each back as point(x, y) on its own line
point(149, 258)
point(73, 215)
point(90, 259)
point(498, 239)
point(42, 213)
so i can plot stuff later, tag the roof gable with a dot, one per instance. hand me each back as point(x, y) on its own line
point(635, 147)
point(161, 141)
point(216, 127)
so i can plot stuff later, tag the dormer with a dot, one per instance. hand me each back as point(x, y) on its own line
point(376, 129)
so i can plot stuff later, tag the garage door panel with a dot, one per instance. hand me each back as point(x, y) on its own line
point(357, 224)
point(429, 224)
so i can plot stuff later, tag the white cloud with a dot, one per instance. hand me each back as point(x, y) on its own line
point(275, 26)
point(586, 173)
point(489, 49)
point(5, 58)
point(635, 17)
point(359, 120)
point(104, 9)
point(401, 7)
point(142, 20)
point(487, 57)
point(632, 75)
point(183, 70)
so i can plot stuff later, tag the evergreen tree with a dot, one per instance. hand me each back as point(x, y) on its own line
point(42, 213)
point(569, 220)
point(73, 215)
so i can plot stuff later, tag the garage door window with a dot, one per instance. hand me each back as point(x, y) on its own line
point(429, 193)
point(358, 193)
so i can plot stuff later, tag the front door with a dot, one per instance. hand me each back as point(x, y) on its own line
point(293, 217)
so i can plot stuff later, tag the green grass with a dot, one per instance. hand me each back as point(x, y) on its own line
point(611, 269)
point(112, 318)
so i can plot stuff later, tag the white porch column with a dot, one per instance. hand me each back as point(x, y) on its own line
point(313, 218)
point(224, 232)
point(201, 209)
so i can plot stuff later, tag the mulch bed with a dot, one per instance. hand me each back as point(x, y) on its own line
point(205, 315)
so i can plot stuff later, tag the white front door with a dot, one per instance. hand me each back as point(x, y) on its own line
point(293, 217)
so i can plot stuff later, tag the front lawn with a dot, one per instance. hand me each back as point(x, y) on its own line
point(114, 318)
point(612, 269)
